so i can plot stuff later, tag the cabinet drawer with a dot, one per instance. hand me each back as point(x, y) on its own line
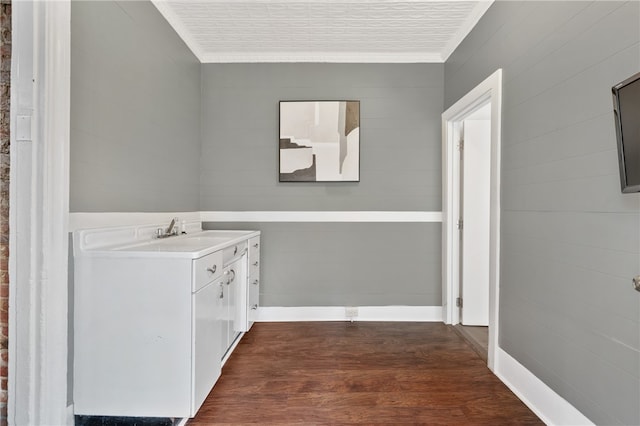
point(234, 251)
point(254, 266)
point(254, 257)
point(254, 245)
point(206, 269)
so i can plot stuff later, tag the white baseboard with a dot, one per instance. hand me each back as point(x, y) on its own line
point(70, 415)
point(338, 313)
point(540, 398)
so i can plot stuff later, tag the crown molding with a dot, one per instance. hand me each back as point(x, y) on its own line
point(466, 28)
point(323, 1)
point(176, 24)
point(333, 57)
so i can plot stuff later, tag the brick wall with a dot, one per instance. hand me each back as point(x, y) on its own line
point(5, 85)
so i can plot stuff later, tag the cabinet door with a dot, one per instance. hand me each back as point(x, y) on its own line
point(206, 343)
point(232, 288)
point(237, 300)
point(225, 296)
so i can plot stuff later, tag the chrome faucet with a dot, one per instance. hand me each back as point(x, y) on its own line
point(169, 232)
point(171, 225)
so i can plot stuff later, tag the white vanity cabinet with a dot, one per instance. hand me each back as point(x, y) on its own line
point(148, 321)
point(141, 338)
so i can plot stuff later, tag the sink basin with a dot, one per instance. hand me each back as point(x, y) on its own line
point(187, 243)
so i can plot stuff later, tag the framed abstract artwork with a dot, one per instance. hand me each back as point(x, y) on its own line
point(319, 141)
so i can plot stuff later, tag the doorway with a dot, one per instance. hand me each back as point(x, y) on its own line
point(474, 150)
point(471, 210)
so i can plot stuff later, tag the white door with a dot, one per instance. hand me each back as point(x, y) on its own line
point(475, 205)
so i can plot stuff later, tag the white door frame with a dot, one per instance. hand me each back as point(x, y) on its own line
point(39, 213)
point(490, 90)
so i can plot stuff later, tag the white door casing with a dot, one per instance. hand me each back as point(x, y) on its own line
point(490, 90)
point(39, 212)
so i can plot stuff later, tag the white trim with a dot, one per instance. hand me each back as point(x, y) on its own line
point(176, 23)
point(489, 90)
point(39, 202)
point(320, 216)
point(540, 398)
point(329, 1)
point(55, 100)
point(464, 30)
point(82, 220)
point(70, 415)
point(315, 57)
point(109, 219)
point(19, 400)
point(338, 313)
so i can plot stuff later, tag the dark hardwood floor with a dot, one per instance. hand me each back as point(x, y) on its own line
point(476, 337)
point(359, 373)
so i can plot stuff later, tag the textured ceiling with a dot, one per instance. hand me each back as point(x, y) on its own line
point(322, 31)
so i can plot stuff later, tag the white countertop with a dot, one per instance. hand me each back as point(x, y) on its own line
point(192, 245)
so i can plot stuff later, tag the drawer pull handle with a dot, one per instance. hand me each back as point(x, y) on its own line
point(254, 307)
point(212, 270)
point(221, 291)
point(255, 282)
point(255, 263)
point(235, 250)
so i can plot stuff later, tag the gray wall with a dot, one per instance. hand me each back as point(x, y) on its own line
point(343, 264)
point(331, 264)
point(400, 107)
point(570, 239)
point(135, 111)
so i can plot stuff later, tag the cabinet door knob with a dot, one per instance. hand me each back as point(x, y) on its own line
point(221, 291)
point(212, 270)
point(255, 282)
point(254, 307)
point(255, 263)
point(256, 245)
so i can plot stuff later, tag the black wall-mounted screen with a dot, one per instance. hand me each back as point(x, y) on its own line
point(626, 109)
